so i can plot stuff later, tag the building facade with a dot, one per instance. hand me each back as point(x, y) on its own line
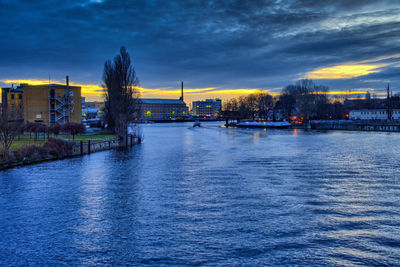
point(12, 104)
point(48, 104)
point(208, 108)
point(94, 104)
point(373, 114)
point(162, 109)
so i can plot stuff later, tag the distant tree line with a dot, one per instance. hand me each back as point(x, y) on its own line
point(304, 100)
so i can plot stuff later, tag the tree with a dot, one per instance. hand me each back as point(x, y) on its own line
point(8, 132)
point(120, 93)
point(310, 99)
point(265, 103)
point(286, 103)
point(54, 129)
point(36, 128)
point(73, 128)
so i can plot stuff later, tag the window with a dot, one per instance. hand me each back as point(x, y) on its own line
point(12, 96)
point(20, 96)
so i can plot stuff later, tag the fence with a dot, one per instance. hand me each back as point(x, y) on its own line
point(90, 146)
point(78, 148)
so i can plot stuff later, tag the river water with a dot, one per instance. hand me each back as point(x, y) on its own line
point(210, 196)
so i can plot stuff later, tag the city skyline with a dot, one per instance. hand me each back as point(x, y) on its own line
point(219, 50)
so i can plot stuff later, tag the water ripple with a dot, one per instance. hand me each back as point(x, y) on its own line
point(211, 196)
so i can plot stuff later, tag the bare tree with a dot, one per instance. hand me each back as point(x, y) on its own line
point(120, 93)
point(310, 99)
point(265, 103)
point(73, 128)
point(8, 131)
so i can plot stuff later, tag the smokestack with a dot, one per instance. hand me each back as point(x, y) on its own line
point(181, 91)
point(67, 80)
point(387, 91)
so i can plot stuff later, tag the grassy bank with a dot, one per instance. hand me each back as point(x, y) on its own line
point(26, 139)
point(28, 151)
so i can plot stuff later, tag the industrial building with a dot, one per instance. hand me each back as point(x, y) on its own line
point(208, 108)
point(48, 104)
point(162, 109)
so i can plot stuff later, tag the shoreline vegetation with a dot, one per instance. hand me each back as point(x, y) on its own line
point(30, 151)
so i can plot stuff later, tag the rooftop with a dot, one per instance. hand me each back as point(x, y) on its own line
point(161, 101)
point(13, 90)
point(47, 85)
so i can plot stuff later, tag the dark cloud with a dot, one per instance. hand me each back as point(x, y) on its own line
point(226, 44)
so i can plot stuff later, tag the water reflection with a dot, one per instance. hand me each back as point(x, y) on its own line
point(210, 196)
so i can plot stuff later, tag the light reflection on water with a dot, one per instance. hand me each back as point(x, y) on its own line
point(210, 196)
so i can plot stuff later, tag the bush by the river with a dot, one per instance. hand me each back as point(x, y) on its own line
point(58, 147)
point(53, 148)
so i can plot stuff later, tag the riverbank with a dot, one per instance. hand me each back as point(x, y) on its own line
point(326, 125)
point(32, 154)
point(347, 125)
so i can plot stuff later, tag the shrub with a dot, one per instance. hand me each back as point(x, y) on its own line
point(31, 152)
point(19, 155)
point(6, 157)
point(58, 147)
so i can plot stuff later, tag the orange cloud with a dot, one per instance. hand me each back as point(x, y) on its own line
point(344, 71)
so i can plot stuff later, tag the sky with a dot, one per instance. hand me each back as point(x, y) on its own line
point(219, 49)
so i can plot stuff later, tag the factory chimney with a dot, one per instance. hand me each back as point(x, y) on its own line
point(181, 98)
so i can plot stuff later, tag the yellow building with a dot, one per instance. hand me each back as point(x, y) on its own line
point(12, 103)
point(48, 104)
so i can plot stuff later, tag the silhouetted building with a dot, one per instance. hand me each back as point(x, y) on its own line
point(208, 108)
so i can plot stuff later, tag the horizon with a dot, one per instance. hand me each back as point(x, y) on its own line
point(93, 93)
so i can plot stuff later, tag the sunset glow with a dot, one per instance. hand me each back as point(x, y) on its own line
point(345, 71)
point(95, 92)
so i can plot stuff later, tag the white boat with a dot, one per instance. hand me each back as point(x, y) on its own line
point(265, 124)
